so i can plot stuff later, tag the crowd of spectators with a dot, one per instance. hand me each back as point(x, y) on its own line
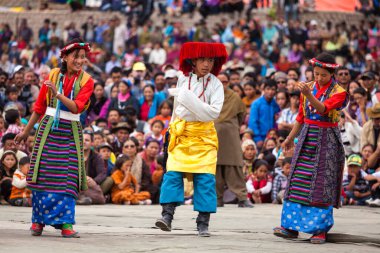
point(135, 63)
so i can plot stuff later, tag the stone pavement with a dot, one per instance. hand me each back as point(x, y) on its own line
point(113, 228)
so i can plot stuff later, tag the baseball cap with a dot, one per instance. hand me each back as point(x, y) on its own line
point(171, 73)
point(313, 22)
point(354, 160)
point(369, 75)
point(139, 66)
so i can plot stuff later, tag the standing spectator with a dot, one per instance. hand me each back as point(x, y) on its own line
point(54, 34)
point(370, 83)
point(229, 164)
point(89, 30)
point(350, 132)
point(291, 9)
point(157, 55)
point(119, 37)
point(25, 33)
point(343, 77)
point(44, 32)
point(263, 111)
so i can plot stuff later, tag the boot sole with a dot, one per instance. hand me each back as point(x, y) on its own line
point(163, 226)
point(282, 234)
point(76, 235)
point(204, 235)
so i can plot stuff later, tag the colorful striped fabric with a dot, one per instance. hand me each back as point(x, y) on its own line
point(300, 183)
point(58, 164)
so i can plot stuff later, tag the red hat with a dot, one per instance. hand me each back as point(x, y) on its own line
point(75, 45)
point(194, 50)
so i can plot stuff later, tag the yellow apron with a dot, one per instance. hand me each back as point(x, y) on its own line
point(193, 147)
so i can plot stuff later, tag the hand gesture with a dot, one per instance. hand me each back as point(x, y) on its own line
point(304, 88)
point(52, 87)
point(288, 145)
point(20, 137)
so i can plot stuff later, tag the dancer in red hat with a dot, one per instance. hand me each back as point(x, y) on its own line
point(192, 150)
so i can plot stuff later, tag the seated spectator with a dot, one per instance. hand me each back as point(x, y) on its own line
point(20, 195)
point(156, 132)
point(250, 93)
point(8, 166)
point(280, 182)
point(259, 183)
point(149, 155)
point(126, 189)
point(8, 143)
point(124, 98)
point(288, 115)
point(105, 151)
point(371, 129)
point(374, 183)
point(121, 132)
point(360, 98)
point(140, 170)
point(95, 171)
point(150, 102)
point(366, 152)
point(164, 115)
point(249, 156)
point(355, 182)
point(13, 119)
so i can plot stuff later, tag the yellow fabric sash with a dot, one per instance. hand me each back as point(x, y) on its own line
point(193, 147)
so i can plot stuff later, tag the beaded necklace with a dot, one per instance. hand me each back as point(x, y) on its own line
point(204, 86)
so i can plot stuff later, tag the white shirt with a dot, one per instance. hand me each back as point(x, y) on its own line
point(187, 103)
point(287, 116)
point(157, 56)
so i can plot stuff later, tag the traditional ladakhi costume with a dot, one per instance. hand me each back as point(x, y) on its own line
point(57, 171)
point(193, 139)
point(315, 180)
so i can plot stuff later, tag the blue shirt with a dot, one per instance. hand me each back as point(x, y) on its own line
point(261, 117)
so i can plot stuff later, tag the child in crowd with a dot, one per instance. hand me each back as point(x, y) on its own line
point(164, 114)
point(105, 151)
point(259, 183)
point(12, 117)
point(355, 182)
point(281, 181)
point(8, 166)
point(156, 132)
point(20, 195)
point(126, 189)
point(249, 156)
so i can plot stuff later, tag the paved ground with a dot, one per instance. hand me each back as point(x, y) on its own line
point(113, 228)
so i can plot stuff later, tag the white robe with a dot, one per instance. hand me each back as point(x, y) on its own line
point(188, 105)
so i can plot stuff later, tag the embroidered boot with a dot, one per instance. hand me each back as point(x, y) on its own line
point(36, 229)
point(165, 223)
point(203, 220)
point(318, 238)
point(68, 231)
